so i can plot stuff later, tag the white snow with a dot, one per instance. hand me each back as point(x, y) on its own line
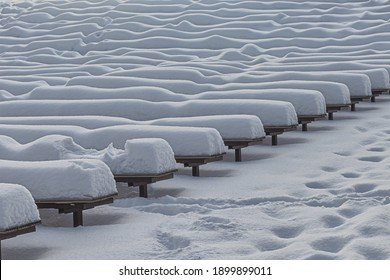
point(69, 180)
point(17, 207)
point(139, 156)
point(320, 194)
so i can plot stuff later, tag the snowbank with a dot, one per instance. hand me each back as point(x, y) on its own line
point(84, 179)
point(140, 156)
point(17, 207)
point(271, 113)
point(185, 141)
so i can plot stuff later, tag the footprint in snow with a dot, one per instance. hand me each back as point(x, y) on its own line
point(333, 244)
point(172, 242)
point(372, 253)
point(270, 245)
point(287, 232)
point(349, 212)
point(372, 158)
point(350, 175)
point(361, 129)
point(332, 221)
point(318, 185)
point(363, 188)
point(377, 149)
point(329, 169)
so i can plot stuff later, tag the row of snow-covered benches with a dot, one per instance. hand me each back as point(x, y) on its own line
point(56, 115)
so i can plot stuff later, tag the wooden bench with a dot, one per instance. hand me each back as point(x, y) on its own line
point(142, 181)
point(238, 144)
point(13, 232)
point(305, 120)
point(76, 207)
point(377, 92)
point(274, 131)
point(195, 162)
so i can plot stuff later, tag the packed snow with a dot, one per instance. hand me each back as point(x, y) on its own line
point(101, 72)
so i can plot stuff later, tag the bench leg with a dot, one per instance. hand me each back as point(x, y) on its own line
point(143, 191)
point(304, 127)
point(353, 107)
point(195, 171)
point(330, 116)
point(238, 156)
point(77, 218)
point(274, 140)
point(373, 98)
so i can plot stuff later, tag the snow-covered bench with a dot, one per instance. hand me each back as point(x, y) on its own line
point(379, 77)
point(70, 186)
point(150, 159)
point(309, 104)
point(359, 84)
point(276, 116)
point(237, 131)
point(191, 146)
point(18, 211)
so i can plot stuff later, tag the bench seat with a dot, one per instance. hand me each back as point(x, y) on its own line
point(142, 181)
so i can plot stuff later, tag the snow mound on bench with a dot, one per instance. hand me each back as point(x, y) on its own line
point(17, 207)
point(271, 113)
point(306, 102)
point(185, 141)
point(77, 179)
point(140, 156)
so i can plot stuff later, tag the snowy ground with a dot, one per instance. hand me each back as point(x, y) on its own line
point(320, 194)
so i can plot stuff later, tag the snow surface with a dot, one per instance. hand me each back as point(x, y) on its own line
point(320, 194)
point(17, 207)
point(140, 156)
point(78, 179)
